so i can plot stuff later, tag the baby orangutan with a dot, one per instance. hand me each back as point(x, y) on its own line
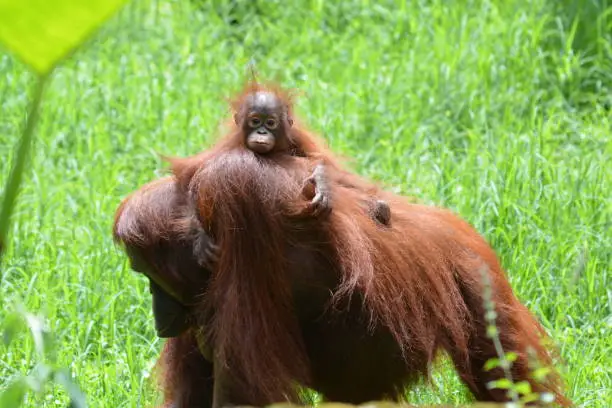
point(266, 123)
point(263, 124)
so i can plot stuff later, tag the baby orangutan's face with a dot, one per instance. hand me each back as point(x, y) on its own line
point(264, 123)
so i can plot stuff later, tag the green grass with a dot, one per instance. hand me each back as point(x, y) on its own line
point(499, 110)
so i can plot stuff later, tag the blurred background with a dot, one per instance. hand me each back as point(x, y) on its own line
point(499, 110)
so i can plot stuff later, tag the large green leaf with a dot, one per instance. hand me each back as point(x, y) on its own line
point(12, 395)
point(43, 32)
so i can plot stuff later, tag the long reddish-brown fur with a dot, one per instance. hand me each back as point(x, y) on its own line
point(151, 225)
point(352, 309)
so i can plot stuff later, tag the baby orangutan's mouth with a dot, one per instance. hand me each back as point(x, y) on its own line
point(260, 143)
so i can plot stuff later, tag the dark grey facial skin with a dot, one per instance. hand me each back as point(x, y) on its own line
point(265, 122)
point(171, 317)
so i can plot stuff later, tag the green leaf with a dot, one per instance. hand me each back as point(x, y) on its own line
point(540, 374)
point(77, 399)
point(502, 383)
point(531, 397)
point(39, 377)
point(511, 356)
point(522, 387)
point(43, 32)
point(12, 396)
point(491, 364)
point(12, 324)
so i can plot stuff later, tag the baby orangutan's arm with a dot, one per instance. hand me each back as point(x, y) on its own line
point(321, 204)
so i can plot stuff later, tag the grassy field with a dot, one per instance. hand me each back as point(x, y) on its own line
point(499, 110)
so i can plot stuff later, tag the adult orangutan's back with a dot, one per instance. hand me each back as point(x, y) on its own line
point(397, 293)
point(428, 290)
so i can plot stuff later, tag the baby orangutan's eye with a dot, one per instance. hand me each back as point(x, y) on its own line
point(271, 124)
point(254, 122)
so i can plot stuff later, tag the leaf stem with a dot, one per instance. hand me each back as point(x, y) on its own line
point(13, 183)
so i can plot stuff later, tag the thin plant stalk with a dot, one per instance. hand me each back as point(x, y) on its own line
point(13, 183)
point(492, 330)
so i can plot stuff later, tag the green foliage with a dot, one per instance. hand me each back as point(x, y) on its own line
point(509, 357)
point(477, 105)
point(13, 394)
point(45, 370)
point(520, 392)
point(14, 181)
point(588, 44)
point(42, 33)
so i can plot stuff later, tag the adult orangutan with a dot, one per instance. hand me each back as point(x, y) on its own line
point(295, 296)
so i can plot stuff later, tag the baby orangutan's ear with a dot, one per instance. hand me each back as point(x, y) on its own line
point(289, 120)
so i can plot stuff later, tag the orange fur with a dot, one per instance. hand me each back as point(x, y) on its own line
point(351, 309)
